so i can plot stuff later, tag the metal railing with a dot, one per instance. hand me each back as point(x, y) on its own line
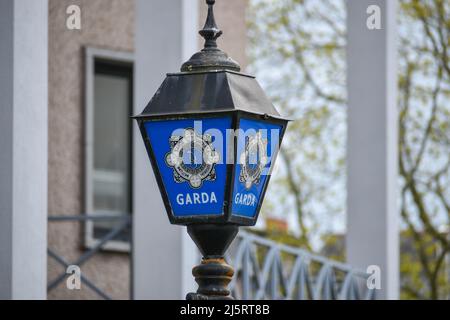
point(265, 269)
point(124, 222)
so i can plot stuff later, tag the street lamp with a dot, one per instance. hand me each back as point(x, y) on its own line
point(212, 137)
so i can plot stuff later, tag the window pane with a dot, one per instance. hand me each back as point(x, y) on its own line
point(111, 179)
point(110, 170)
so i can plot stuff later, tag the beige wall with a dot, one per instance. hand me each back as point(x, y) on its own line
point(106, 24)
point(230, 18)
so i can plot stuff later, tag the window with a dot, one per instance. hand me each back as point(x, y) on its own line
point(108, 178)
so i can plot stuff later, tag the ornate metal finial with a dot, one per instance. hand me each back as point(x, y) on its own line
point(211, 57)
point(210, 32)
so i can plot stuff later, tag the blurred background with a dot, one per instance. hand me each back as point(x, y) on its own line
point(104, 211)
point(297, 50)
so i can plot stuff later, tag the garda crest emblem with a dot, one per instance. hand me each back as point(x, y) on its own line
point(192, 157)
point(253, 160)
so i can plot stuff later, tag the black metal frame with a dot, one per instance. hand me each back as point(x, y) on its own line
point(227, 216)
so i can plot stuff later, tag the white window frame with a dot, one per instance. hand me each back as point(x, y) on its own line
point(91, 54)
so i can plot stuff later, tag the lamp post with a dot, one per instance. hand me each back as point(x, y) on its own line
point(212, 137)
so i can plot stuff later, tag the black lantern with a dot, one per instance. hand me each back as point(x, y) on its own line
point(212, 137)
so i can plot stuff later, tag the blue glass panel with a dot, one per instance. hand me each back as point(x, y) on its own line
point(258, 143)
point(190, 155)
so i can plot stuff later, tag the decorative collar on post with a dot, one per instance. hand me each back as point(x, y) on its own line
point(210, 57)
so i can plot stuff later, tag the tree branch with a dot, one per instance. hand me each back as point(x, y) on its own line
point(297, 193)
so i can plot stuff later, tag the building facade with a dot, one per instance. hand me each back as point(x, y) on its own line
point(77, 193)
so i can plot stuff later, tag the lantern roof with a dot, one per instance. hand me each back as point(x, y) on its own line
point(208, 92)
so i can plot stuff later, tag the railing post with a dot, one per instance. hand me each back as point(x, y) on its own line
point(274, 281)
point(245, 270)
